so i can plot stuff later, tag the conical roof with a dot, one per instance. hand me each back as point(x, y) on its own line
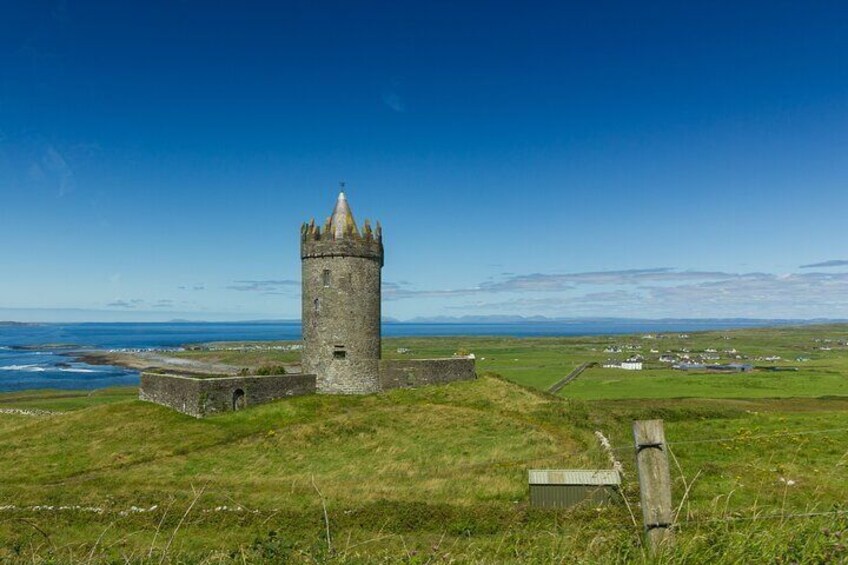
point(342, 220)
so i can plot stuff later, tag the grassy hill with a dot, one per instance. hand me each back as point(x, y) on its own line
point(410, 464)
point(431, 475)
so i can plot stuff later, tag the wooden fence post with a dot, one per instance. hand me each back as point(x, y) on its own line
point(654, 481)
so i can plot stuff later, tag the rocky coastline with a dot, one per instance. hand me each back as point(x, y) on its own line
point(151, 361)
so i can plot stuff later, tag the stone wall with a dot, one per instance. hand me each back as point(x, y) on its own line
point(422, 372)
point(345, 247)
point(203, 396)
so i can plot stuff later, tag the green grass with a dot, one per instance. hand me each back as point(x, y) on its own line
point(599, 383)
point(63, 400)
point(438, 474)
point(541, 362)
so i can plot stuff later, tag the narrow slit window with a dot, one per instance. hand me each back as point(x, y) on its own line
point(316, 305)
point(325, 277)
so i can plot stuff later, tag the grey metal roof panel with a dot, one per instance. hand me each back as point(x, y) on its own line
point(591, 477)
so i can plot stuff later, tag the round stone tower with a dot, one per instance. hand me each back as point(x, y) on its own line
point(341, 302)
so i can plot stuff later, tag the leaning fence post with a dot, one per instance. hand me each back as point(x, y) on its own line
point(654, 481)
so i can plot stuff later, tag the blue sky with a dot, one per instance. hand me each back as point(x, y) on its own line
point(562, 159)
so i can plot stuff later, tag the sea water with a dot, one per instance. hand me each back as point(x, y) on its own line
point(40, 356)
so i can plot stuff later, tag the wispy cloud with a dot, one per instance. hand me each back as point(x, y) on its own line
point(393, 101)
point(136, 303)
point(538, 282)
point(264, 286)
point(651, 292)
point(831, 263)
point(194, 287)
point(392, 98)
point(800, 295)
point(52, 167)
point(133, 303)
point(400, 290)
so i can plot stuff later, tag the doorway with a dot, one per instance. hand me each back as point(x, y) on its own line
point(238, 399)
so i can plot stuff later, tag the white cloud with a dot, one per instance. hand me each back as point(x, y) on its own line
point(654, 292)
point(830, 263)
point(54, 166)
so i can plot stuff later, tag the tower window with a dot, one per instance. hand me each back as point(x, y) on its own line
point(339, 352)
point(316, 306)
point(325, 277)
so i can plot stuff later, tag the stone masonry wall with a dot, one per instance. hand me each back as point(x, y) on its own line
point(341, 323)
point(180, 393)
point(421, 372)
point(200, 397)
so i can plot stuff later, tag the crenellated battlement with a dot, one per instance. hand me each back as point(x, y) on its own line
point(313, 232)
point(341, 237)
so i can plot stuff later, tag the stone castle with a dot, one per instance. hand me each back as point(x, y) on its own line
point(341, 316)
point(341, 302)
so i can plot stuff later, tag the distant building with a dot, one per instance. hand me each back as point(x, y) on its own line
point(729, 368)
point(629, 365)
point(690, 366)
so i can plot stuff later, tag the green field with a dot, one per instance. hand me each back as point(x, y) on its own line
point(438, 475)
point(540, 362)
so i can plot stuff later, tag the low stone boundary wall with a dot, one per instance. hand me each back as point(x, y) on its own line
point(202, 396)
point(412, 373)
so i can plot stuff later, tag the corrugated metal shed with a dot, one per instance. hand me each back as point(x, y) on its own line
point(585, 477)
point(561, 488)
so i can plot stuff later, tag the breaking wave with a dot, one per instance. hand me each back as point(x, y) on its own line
point(26, 368)
point(42, 369)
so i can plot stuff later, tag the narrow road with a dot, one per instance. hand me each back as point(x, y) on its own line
point(557, 386)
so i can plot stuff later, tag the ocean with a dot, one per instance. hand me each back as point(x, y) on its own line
point(36, 356)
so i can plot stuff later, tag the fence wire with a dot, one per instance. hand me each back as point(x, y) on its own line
point(744, 438)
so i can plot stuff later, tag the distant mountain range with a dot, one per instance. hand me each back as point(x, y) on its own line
point(500, 319)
